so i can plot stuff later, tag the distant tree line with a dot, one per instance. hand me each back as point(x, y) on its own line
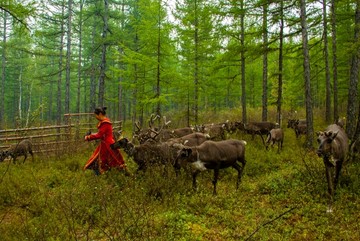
point(154, 56)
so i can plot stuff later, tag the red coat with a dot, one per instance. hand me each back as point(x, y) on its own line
point(105, 156)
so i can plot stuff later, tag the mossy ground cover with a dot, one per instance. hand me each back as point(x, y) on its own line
point(281, 197)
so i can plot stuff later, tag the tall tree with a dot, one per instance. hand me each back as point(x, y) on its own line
point(242, 61)
point(334, 58)
point(79, 67)
point(307, 79)
point(354, 75)
point(68, 58)
point(327, 67)
point(280, 70)
point(3, 69)
point(104, 44)
point(265, 60)
point(61, 50)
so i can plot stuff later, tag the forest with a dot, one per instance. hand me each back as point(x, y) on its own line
point(178, 58)
point(194, 62)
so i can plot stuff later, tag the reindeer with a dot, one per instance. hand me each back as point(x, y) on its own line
point(215, 155)
point(275, 135)
point(259, 128)
point(333, 148)
point(21, 149)
point(145, 155)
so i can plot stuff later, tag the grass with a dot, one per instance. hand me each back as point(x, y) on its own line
point(281, 197)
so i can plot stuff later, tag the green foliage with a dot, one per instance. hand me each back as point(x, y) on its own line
point(282, 196)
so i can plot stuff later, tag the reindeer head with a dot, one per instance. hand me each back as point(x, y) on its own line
point(2, 156)
point(121, 143)
point(325, 140)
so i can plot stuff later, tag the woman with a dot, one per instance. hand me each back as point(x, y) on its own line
point(104, 158)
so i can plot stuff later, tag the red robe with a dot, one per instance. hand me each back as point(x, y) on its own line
point(105, 156)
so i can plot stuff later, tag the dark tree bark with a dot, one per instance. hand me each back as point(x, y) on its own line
point(334, 59)
point(68, 59)
point(3, 72)
point(158, 71)
point(327, 67)
point(61, 50)
point(280, 74)
point(102, 74)
point(265, 62)
point(354, 75)
point(308, 100)
point(196, 64)
point(78, 96)
point(93, 70)
point(242, 60)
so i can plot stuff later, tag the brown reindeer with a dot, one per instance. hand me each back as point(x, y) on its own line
point(333, 148)
point(215, 155)
point(21, 149)
point(275, 135)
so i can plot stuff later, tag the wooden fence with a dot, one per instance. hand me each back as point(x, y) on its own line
point(58, 139)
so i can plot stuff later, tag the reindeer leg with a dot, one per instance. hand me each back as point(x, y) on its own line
point(194, 174)
point(238, 168)
point(32, 155)
point(25, 156)
point(330, 185)
point(216, 175)
point(337, 173)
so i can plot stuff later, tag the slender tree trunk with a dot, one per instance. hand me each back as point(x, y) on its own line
point(196, 65)
point(354, 75)
point(327, 67)
point(78, 96)
point(20, 95)
point(103, 55)
point(59, 87)
point(3, 72)
point(242, 59)
point(265, 62)
point(308, 100)
point(68, 59)
point(29, 106)
point(93, 70)
point(334, 59)
point(280, 77)
point(158, 73)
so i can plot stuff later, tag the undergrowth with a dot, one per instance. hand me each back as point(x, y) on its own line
point(281, 197)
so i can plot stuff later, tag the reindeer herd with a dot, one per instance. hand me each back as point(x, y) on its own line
point(206, 147)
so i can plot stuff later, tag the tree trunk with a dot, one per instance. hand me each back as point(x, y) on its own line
point(280, 74)
point(308, 100)
point(3, 72)
point(265, 62)
point(68, 59)
point(103, 56)
point(242, 64)
point(327, 68)
point(158, 71)
point(354, 74)
point(334, 59)
point(78, 96)
point(196, 66)
point(59, 87)
point(93, 70)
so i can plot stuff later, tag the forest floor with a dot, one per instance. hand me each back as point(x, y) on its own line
point(281, 197)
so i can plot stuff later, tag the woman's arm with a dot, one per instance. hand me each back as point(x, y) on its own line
point(101, 132)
